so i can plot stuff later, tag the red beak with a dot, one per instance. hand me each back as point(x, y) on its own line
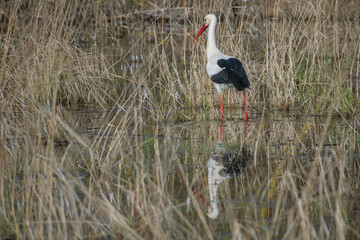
point(200, 32)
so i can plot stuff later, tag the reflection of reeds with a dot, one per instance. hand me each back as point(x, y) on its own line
point(116, 168)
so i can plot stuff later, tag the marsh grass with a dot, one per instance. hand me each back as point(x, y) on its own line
point(107, 118)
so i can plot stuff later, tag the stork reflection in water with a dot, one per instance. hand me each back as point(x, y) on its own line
point(223, 165)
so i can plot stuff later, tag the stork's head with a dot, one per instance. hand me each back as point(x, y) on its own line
point(210, 18)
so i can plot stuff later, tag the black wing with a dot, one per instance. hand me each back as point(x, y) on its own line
point(233, 72)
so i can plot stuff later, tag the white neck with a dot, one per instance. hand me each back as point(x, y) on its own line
point(211, 48)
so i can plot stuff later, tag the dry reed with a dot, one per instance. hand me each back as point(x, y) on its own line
point(90, 93)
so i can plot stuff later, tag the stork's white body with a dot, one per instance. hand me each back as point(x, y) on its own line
point(213, 68)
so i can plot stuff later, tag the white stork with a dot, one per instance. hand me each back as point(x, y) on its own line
point(225, 71)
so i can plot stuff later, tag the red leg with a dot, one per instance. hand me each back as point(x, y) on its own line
point(246, 114)
point(221, 106)
point(221, 128)
point(245, 130)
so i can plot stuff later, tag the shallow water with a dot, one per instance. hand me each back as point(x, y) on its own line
point(255, 174)
point(215, 178)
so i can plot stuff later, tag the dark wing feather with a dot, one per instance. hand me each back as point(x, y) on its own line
point(221, 77)
point(235, 72)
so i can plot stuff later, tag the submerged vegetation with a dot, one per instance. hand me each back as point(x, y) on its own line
point(108, 120)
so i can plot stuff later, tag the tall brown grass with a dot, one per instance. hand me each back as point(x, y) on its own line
point(90, 92)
